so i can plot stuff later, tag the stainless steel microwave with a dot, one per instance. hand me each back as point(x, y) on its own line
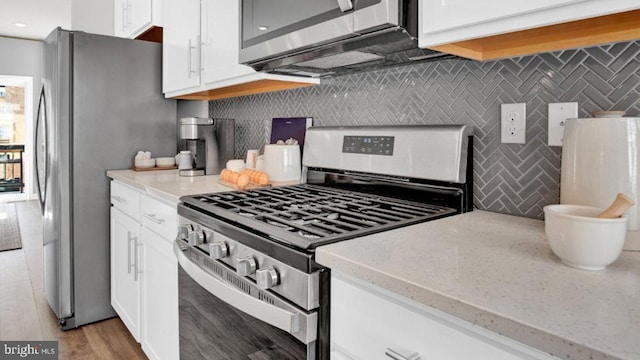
point(319, 37)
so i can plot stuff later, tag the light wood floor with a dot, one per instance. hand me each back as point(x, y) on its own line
point(25, 314)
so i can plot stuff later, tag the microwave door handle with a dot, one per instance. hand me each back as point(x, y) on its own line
point(291, 321)
point(345, 5)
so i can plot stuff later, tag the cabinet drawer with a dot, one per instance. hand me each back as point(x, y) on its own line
point(159, 217)
point(125, 198)
point(368, 322)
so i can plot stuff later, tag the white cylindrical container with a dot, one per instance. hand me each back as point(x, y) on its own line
point(282, 163)
point(601, 158)
point(184, 160)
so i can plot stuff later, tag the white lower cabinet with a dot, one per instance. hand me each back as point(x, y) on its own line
point(125, 276)
point(159, 298)
point(144, 271)
point(160, 280)
point(371, 323)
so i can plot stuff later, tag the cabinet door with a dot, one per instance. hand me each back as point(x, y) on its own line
point(141, 16)
point(121, 18)
point(125, 270)
point(451, 14)
point(133, 17)
point(450, 21)
point(181, 45)
point(221, 41)
point(159, 298)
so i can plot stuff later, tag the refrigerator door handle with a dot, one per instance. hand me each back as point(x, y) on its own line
point(41, 119)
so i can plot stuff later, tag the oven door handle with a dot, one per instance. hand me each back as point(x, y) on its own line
point(301, 325)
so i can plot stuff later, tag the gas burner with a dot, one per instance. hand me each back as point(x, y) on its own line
point(308, 216)
point(308, 235)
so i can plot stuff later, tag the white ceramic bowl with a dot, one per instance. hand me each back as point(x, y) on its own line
point(145, 163)
point(582, 240)
point(165, 161)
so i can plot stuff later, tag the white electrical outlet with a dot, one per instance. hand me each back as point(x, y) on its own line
point(558, 114)
point(513, 123)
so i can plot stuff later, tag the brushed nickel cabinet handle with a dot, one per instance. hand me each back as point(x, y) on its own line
point(153, 218)
point(129, 239)
point(345, 5)
point(397, 356)
point(137, 256)
point(119, 199)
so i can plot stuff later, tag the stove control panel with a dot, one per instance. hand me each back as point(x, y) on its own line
point(370, 145)
point(267, 272)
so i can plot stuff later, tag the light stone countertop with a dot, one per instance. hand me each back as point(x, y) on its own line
point(498, 272)
point(167, 185)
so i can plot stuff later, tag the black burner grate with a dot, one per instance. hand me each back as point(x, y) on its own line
point(308, 216)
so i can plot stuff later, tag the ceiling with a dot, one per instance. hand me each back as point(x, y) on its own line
point(40, 17)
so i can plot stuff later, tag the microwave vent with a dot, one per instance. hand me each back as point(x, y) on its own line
point(341, 59)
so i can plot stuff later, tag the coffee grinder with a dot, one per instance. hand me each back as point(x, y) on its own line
point(211, 142)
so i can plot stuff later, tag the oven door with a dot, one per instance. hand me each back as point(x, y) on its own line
point(225, 316)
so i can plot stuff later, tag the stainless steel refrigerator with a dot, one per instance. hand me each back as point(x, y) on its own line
point(100, 103)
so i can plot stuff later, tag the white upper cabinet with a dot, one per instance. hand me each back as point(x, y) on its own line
point(444, 22)
point(200, 54)
point(134, 17)
point(181, 45)
point(219, 63)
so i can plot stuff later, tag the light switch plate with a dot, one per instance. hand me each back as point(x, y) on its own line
point(558, 114)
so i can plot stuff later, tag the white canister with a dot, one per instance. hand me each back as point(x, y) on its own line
point(184, 160)
point(600, 158)
point(282, 162)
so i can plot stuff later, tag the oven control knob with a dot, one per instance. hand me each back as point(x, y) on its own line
point(183, 231)
point(218, 250)
point(196, 237)
point(246, 266)
point(267, 278)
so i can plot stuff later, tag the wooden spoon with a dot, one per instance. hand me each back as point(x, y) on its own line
point(617, 207)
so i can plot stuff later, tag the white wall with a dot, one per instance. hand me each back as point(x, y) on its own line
point(25, 60)
point(22, 58)
point(92, 16)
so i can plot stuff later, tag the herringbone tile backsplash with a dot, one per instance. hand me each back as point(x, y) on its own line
point(509, 178)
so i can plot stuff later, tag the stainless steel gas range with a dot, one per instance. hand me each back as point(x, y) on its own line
point(249, 283)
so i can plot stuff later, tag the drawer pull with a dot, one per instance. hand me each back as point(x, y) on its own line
point(119, 199)
point(397, 356)
point(153, 218)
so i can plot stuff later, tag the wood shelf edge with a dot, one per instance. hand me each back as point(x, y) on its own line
point(250, 88)
point(600, 30)
point(153, 34)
